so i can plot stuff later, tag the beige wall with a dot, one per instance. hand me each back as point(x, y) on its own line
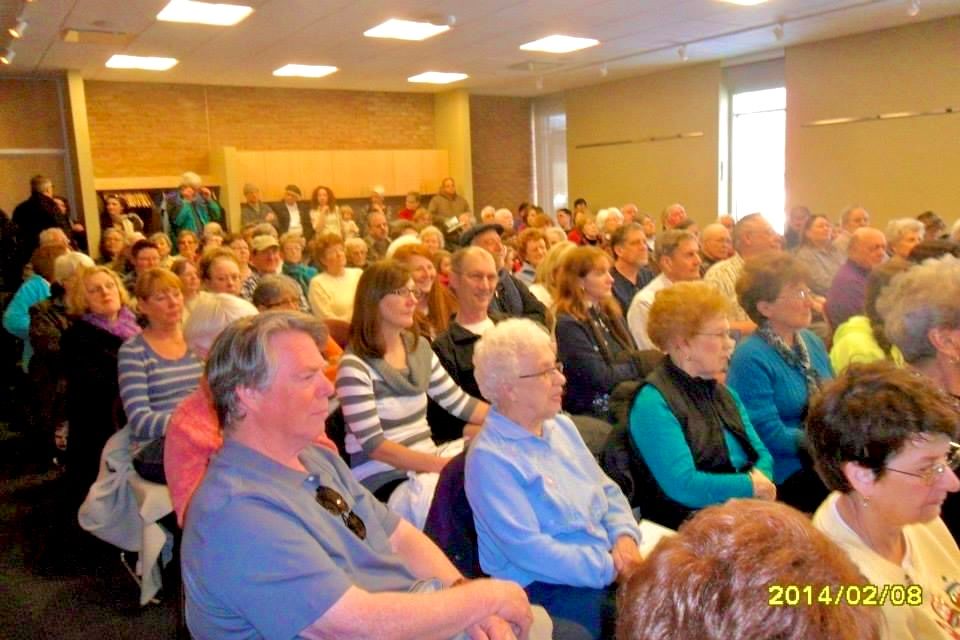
point(502, 149)
point(893, 167)
point(165, 129)
point(652, 174)
point(29, 119)
point(452, 122)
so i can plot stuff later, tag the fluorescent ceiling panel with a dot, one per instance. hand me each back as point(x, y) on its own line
point(437, 77)
point(745, 3)
point(147, 63)
point(221, 15)
point(405, 30)
point(559, 44)
point(304, 71)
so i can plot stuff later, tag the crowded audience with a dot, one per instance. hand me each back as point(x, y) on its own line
point(497, 342)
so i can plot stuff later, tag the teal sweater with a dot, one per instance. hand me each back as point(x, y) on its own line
point(659, 438)
point(775, 396)
point(16, 319)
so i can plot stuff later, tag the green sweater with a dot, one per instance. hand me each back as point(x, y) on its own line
point(854, 342)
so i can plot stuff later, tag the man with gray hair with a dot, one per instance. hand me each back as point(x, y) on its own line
point(487, 214)
point(677, 256)
point(672, 216)
point(282, 542)
point(752, 236)
point(33, 215)
point(254, 210)
point(848, 292)
point(851, 219)
point(716, 245)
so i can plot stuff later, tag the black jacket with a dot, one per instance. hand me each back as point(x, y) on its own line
point(512, 298)
point(283, 218)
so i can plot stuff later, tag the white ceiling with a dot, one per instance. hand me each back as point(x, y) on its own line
point(637, 36)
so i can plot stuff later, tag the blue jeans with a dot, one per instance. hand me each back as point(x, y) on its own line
point(578, 613)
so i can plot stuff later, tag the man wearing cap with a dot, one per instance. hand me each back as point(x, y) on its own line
point(292, 212)
point(512, 298)
point(265, 259)
point(254, 210)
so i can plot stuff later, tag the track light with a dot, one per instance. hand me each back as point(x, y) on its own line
point(682, 52)
point(913, 9)
point(7, 55)
point(17, 31)
point(778, 31)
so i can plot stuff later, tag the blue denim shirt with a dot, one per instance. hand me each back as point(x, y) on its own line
point(544, 510)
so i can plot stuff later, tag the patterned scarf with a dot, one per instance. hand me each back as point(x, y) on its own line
point(124, 328)
point(798, 357)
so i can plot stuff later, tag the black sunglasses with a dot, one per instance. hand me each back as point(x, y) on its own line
point(335, 504)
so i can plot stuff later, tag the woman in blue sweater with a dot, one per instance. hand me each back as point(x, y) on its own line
point(691, 431)
point(777, 369)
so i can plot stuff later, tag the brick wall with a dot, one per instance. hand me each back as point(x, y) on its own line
point(139, 129)
point(501, 140)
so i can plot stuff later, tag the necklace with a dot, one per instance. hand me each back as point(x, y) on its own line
point(864, 533)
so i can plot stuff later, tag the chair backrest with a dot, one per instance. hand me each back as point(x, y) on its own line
point(450, 520)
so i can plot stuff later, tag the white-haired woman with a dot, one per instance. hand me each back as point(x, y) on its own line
point(547, 516)
point(48, 321)
point(193, 433)
point(432, 238)
point(921, 317)
point(903, 234)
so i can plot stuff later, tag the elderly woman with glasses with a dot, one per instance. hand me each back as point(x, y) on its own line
point(692, 432)
point(547, 516)
point(383, 382)
point(882, 440)
point(779, 368)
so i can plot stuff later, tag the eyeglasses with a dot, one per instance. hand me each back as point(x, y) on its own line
point(557, 367)
point(335, 504)
point(799, 294)
point(406, 292)
point(108, 287)
point(289, 303)
point(931, 474)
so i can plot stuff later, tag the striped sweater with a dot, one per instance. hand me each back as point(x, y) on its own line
point(381, 403)
point(151, 387)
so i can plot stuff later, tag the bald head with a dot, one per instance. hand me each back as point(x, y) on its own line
point(868, 247)
point(753, 236)
point(715, 241)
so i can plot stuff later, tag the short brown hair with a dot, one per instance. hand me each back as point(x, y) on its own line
point(712, 580)
point(377, 281)
point(322, 243)
point(154, 280)
point(528, 235)
point(680, 311)
point(211, 256)
point(764, 278)
point(868, 414)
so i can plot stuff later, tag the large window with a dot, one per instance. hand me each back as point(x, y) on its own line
point(550, 153)
point(757, 154)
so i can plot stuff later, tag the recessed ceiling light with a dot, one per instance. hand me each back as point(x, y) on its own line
point(437, 77)
point(744, 3)
point(147, 63)
point(559, 44)
point(405, 30)
point(221, 15)
point(304, 70)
